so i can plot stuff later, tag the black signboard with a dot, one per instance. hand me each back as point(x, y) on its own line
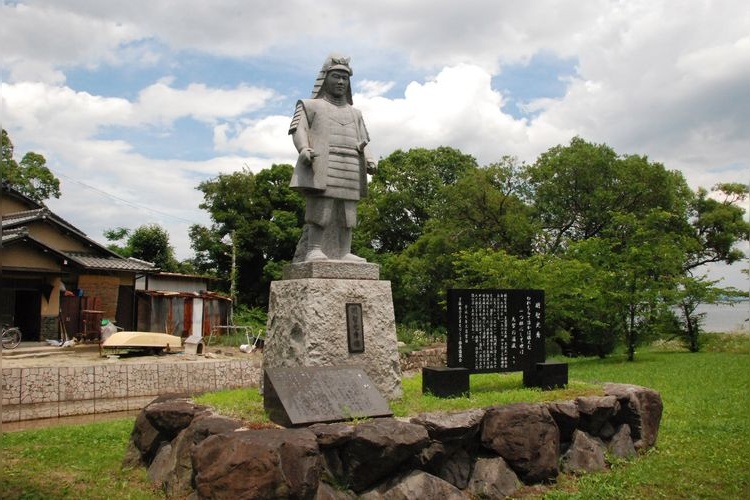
point(495, 330)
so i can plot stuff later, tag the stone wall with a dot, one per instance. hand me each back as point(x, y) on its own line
point(48, 392)
point(416, 360)
point(190, 451)
point(49, 329)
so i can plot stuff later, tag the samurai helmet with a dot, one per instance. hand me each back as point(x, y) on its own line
point(333, 61)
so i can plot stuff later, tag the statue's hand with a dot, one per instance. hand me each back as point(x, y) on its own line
point(307, 155)
point(372, 166)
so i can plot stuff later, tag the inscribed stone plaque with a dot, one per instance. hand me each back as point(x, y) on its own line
point(354, 328)
point(495, 330)
point(306, 395)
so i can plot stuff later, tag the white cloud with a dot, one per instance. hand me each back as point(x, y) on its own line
point(161, 102)
point(652, 77)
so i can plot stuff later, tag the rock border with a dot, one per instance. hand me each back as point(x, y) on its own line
point(190, 451)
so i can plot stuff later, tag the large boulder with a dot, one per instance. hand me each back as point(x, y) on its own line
point(526, 436)
point(449, 427)
point(145, 439)
point(566, 416)
point(586, 454)
point(171, 416)
point(265, 463)
point(378, 448)
point(492, 478)
point(595, 412)
point(641, 408)
point(177, 482)
point(415, 484)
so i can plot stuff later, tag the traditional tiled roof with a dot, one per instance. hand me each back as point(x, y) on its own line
point(11, 235)
point(97, 262)
point(100, 258)
point(39, 214)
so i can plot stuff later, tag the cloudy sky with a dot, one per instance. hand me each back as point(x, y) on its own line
point(135, 103)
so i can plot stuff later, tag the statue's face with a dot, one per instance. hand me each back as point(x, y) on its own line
point(336, 83)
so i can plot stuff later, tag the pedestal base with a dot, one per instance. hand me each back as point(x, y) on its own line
point(546, 375)
point(307, 326)
point(445, 382)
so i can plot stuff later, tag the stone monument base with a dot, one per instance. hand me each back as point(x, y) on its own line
point(334, 322)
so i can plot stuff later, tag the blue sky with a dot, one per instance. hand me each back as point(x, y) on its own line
point(145, 99)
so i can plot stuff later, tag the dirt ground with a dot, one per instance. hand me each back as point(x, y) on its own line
point(36, 354)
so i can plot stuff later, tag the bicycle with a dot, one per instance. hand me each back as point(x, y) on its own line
point(11, 337)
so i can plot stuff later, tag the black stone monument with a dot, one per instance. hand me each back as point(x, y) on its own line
point(493, 331)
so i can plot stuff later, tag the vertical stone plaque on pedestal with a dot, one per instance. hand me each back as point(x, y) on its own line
point(354, 328)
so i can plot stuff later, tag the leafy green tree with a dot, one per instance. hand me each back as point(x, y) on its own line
point(481, 209)
point(261, 217)
point(404, 193)
point(718, 225)
point(31, 176)
point(149, 242)
point(577, 189)
point(644, 255)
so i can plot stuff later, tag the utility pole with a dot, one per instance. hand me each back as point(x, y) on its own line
point(233, 273)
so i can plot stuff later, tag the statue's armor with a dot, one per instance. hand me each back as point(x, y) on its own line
point(343, 180)
point(336, 135)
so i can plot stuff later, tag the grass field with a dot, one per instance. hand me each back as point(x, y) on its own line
point(703, 449)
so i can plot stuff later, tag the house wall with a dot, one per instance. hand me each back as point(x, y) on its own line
point(105, 287)
point(10, 206)
point(168, 283)
point(20, 256)
point(51, 237)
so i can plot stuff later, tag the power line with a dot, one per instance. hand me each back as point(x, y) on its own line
point(122, 200)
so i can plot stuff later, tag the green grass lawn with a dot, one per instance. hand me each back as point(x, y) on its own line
point(703, 449)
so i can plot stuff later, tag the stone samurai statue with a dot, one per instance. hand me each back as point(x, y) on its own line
point(332, 166)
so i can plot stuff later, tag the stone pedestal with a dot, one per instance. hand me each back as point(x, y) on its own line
point(308, 323)
point(445, 382)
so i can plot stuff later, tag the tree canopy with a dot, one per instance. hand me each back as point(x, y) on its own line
point(149, 242)
point(616, 241)
point(30, 176)
point(256, 217)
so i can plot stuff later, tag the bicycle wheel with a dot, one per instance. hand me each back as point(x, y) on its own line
point(11, 338)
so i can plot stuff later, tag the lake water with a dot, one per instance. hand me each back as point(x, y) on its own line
point(725, 318)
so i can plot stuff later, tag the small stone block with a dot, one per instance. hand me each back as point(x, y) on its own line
point(332, 269)
point(546, 376)
point(445, 382)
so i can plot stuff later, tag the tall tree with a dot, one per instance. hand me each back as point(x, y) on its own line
point(481, 209)
point(577, 189)
point(31, 176)
point(261, 217)
point(149, 242)
point(717, 221)
point(404, 193)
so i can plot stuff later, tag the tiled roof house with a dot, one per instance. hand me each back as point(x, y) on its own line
point(44, 260)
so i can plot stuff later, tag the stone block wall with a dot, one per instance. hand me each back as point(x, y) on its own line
point(416, 360)
point(49, 329)
point(191, 451)
point(48, 392)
